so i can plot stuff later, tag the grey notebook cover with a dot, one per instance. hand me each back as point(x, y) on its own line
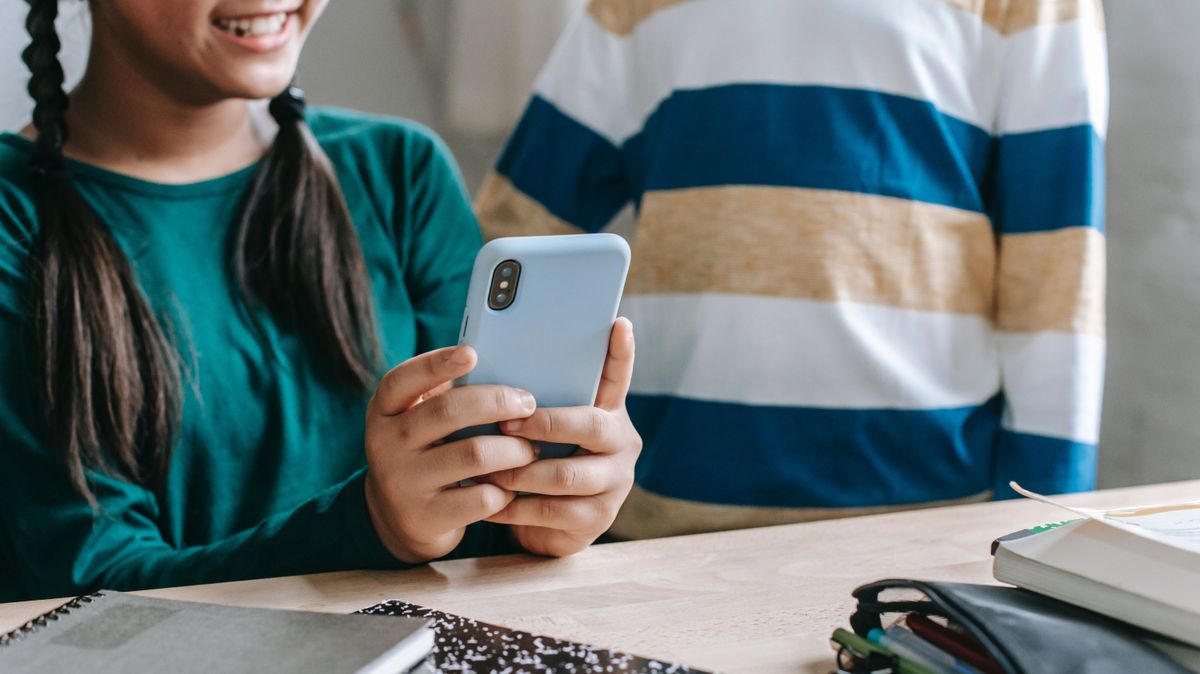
point(114, 632)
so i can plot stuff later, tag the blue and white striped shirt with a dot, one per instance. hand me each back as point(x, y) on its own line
point(868, 263)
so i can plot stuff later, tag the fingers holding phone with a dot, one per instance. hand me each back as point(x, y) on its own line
point(542, 315)
point(416, 505)
point(568, 502)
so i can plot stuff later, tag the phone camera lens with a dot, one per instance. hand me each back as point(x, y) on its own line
point(503, 290)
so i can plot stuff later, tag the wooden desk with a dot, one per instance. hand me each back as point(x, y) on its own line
point(758, 600)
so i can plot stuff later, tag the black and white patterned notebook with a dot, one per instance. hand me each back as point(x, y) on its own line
point(465, 645)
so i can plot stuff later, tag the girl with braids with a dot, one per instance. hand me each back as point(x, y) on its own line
point(198, 307)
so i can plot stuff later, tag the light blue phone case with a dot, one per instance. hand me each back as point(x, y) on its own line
point(552, 340)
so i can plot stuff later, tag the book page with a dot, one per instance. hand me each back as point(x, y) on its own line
point(1177, 525)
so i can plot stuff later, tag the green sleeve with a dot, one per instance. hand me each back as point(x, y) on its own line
point(441, 239)
point(61, 546)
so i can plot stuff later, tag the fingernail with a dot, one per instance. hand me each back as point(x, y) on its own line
point(527, 402)
point(511, 426)
point(460, 356)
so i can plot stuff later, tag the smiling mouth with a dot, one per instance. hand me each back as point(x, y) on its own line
point(258, 26)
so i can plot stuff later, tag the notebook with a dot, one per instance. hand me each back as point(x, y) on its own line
point(1140, 565)
point(466, 645)
point(114, 632)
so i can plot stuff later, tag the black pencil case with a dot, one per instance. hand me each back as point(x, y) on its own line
point(1024, 632)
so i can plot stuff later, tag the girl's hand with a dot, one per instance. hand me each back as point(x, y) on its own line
point(574, 500)
point(416, 506)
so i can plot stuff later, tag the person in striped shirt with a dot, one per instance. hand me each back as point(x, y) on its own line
point(868, 256)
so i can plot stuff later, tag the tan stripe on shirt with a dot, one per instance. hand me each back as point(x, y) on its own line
point(622, 16)
point(1052, 281)
point(814, 244)
point(1013, 16)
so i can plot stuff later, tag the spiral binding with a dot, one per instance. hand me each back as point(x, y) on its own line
point(45, 618)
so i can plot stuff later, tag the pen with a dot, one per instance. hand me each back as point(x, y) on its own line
point(902, 635)
point(965, 648)
point(881, 638)
point(862, 649)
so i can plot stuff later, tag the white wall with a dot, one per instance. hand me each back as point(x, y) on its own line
point(358, 56)
point(395, 56)
point(74, 30)
point(1152, 399)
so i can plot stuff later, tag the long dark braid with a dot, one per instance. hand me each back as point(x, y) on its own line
point(298, 253)
point(110, 378)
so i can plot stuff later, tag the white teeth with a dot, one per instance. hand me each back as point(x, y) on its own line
point(257, 27)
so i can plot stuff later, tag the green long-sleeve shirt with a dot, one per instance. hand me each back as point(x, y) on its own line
point(267, 472)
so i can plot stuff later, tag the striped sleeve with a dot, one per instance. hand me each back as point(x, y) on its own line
point(1048, 207)
point(559, 174)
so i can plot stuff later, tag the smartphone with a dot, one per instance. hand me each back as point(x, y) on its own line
point(539, 313)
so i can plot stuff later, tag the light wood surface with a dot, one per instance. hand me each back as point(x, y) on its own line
point(757, 600)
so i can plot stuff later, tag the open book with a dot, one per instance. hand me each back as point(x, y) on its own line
point(1140, 565)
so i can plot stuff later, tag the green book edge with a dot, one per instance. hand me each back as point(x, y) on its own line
point(1032, 531)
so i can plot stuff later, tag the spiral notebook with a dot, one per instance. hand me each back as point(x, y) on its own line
point(114, 632)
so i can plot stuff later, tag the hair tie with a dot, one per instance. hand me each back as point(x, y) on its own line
point(52, 166)
point(288, 106)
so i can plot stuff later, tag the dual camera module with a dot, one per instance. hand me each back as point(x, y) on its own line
point(504, 285)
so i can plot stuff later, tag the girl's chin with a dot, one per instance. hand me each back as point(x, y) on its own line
point(260, 81)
